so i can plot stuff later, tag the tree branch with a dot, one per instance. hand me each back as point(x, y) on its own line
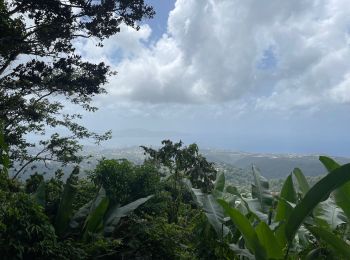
point(35, 158)
point(8, 62)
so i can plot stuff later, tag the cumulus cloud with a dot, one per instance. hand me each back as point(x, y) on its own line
point(275, 54)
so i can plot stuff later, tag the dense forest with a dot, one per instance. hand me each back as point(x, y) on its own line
point(175, 204)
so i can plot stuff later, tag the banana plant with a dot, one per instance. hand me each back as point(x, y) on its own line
point(101, 216)
point(210, 206)
point(314, 213)
point(97, 216)
point(65, 207)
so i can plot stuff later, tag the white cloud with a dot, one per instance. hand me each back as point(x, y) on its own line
point(341, 92)
point(276, 54)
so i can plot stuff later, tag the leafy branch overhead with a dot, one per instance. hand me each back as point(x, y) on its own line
point(40, 71)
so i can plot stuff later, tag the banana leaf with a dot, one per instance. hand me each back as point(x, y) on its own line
point(315, 195)
point(65, 208)
point(114, 215)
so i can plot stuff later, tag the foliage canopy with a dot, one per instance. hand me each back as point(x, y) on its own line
point(41, 72)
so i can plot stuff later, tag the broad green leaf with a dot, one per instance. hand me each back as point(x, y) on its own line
point(328, 215)
point(243, 225)
point(232, 190)
point(86, 211)
point(342, 194)
point(230, 198)
point(339, 246)
point(284, 211)
point(218, 194)
point(220, 182)
point(315, 195)
point(215, 214)
point(314, 254)
point(94, 222)
point(280, 233)
point(241, 252)
point(39, 195)
point(268, 241)
point(287, 193)
point(329, 163)
point(302, 182)
point(65, 208)
point(80, 215)
point(260, 190)
point(116, 213)
point(212, 209)
point(254, 207)
point(303, 240)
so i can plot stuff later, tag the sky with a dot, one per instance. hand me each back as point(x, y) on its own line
point(255, 76)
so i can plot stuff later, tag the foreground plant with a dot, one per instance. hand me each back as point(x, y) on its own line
point(301, 221)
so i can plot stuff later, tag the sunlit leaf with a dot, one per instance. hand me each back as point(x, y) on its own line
point(116, 213)
point(287, 193)
point(315, 195)
point(342, 194)
point(269, 241)
point(332, 240)
point(302, 182)
point(244, 226)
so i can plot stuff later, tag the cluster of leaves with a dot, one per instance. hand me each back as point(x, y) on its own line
point(299, 222)
point(41, 71)
point(126, 211)
point(176, 163)
point(121, 210)
point(123, 181)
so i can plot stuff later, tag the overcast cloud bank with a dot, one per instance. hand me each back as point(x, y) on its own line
point(275, 54)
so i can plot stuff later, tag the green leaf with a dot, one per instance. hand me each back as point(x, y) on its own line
point(339, 246)
point(254, 207)
point(65, 208)
point(328, 215)
point(329, 163)
point(85, 212)
point(232, 190)
point(212, 209)
point(94, 221)
point(284, 210)
point(287, 193)
point(220, 182)
point(268, 241)
point(243, 225)
point(281, 234)
point(314, 254)
point(302, 182)
point(315, 195)
point(260, 190)
point(80, 215)
point(342, 194)
point(39, 195)
point(241, 252)
point(215, 214)
point(116, 213)
point(304, 241)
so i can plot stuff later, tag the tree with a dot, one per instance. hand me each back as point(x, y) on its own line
point(182, 162)
point(124, 181)
point(40, 70)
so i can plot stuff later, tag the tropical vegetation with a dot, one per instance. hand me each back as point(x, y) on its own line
point(175, 205)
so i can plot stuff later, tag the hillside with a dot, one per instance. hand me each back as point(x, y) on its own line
point(236, 165)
